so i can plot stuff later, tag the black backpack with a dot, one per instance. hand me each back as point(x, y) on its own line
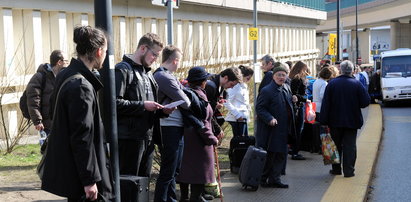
point(23, 99)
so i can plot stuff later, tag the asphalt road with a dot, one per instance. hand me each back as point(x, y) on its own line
point(393, 169)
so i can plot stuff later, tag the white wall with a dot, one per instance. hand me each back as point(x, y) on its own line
point(208, 35)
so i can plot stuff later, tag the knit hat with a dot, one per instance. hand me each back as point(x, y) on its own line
point(280, 67)
point(197, 74)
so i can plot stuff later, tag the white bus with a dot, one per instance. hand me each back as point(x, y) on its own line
point(396, 74)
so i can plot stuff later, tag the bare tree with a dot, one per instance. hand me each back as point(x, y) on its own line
point(10, 88)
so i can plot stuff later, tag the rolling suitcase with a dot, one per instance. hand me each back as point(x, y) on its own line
point(134, 188)
point(238, 148)
point(252, 168)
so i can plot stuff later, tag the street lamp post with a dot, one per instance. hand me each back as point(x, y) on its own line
point(170, 22)
point(356, 31)
point(338, 30)
point(103, 12)
point(255, 61)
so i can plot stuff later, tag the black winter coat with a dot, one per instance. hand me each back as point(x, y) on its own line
point(343, 99)
point(133, 121)
point(272, 104)
point(267, 79)
point(298, 88)
point(77, 155)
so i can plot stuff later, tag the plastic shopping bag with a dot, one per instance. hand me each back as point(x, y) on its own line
point(329, 149)
point(310, 112)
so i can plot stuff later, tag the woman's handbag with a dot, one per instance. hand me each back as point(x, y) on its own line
point(329, 149)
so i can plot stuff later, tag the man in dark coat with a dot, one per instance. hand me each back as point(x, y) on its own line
point(39, 93)
point(267, 65)
point(343, 99)
point(76, 163)
point(375, 86)
point(137, 109)
point(216, 94)
point(275, 122)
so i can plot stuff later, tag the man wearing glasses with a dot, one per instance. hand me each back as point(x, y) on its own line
point(39, 90)
point(137, 109)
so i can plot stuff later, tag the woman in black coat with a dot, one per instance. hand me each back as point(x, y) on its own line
point(77, 163)
point(275, 123)
point(298, 75)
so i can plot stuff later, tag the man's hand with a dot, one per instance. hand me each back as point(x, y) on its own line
point(219, 105)
point(220, 138)
point(152, 106)
point(273, 122)
point(39, 127)
point(169, 110)
point(91, 192)
point(240, 119)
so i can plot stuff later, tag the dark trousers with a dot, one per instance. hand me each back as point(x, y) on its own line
point(239, 128)
point(346, 141)
point(299, 126)
point(274, 164)
point(196, 192)
point(171, 155)
point(135, 157)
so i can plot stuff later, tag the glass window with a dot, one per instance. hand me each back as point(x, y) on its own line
point(398, 66)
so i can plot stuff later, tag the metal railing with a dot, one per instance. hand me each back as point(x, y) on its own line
point(311, 4)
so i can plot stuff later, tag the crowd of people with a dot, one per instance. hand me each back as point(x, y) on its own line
point(187, 134)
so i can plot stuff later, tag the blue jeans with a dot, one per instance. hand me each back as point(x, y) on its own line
point(171, 155)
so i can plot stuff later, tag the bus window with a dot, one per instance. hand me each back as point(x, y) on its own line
point(395, 66)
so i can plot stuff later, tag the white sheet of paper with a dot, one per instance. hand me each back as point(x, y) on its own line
point(174, 104)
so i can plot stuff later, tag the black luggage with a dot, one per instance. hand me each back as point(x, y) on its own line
point(252, 168)
point(134, 188)
point(238, 148)
point(310, 137)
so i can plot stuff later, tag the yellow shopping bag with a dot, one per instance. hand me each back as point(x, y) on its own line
point(329, 149)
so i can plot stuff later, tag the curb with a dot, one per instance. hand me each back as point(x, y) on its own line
point(368, 142)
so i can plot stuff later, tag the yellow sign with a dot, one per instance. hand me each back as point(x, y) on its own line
point(253, 33)
point(332, 44)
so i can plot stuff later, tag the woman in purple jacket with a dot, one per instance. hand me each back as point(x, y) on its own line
point(197, 166)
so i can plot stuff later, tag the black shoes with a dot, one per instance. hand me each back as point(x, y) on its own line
point(335, 172)
point(274, 185)
point(349, 175)
point(297, 157)
point(208, 197)
point(279, 185)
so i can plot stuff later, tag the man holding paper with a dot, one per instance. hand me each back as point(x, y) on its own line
point(170, 95)
point(137, 109)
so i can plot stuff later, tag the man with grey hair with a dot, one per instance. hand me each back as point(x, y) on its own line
point(267, 65)
point(343, 99)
